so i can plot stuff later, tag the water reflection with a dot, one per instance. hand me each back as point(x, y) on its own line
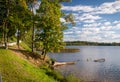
point(87, 69)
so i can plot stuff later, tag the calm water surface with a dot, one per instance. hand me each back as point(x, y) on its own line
point(88, 70)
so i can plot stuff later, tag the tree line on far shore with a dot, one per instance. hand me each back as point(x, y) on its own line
point(86, 43)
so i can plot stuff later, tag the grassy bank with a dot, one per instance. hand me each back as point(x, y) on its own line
point(16, 69)
point(18, 65)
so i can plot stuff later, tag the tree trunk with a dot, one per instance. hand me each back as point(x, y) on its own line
point(5, 36)
point(33, 38)
point(6, 24)
point(33, 29)
point(3, 33)
point(43, 54)
point(18, 38)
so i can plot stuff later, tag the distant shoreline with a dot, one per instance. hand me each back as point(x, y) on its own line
point(85, 43)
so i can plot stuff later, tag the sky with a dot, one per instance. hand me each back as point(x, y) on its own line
point(96, 20)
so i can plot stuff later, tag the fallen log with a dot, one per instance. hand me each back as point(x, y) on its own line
point(63, 63)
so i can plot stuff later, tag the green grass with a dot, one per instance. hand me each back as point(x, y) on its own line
point(12, 39)
point(16, 69)
point(25, 46)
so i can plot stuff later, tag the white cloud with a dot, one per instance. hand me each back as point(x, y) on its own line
point(115, 36)
point(117, 26)
point(108, 8)
point(78, 8)
point(62, 20)
point(91, 31)
point(106, 28)
point(89, 14)
point(93, 26)
point(89, 17)
point(110, 27)
point(105, 8)
point(116, 22)
point(68, 32)
point(102, 34)
point(89, 21)
point(107, 23)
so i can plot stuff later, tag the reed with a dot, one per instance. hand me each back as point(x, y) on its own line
point(70, 50)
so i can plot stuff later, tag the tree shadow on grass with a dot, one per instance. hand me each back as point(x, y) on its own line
point(2, 47)
point(26, 53)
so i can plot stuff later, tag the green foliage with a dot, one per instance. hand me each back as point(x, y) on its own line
point(26, 47)
point(51, 61)
point(12, 39)
point(72, 78)
point(57, 75)
point(50, 30)
point(14, 16)
point(64, 0)
point(2, 10)
point(45, 25)
point(54, 74)
point(70, 18)
point(27, 38)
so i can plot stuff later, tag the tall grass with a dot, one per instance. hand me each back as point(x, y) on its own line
point(70, 50)
point(72, 78)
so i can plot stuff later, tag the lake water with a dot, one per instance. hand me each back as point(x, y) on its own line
point(88, 70)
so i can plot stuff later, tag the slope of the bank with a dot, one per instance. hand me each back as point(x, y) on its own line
point(17, 69)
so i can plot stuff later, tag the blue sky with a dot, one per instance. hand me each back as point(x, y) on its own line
point(96, 20)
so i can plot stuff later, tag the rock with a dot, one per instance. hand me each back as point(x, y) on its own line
point(100, 60)
point(78, 60)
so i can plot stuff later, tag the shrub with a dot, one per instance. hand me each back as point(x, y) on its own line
point(72, 78)
point(54, 74)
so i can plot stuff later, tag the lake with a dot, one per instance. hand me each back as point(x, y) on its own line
point(85, 67)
